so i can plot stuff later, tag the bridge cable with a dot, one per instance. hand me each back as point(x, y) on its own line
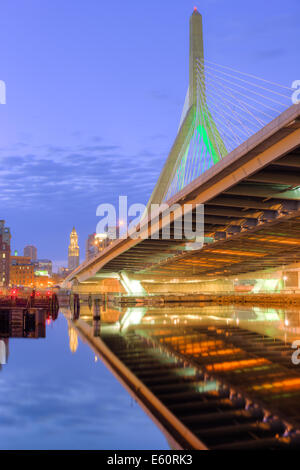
point(242, 80)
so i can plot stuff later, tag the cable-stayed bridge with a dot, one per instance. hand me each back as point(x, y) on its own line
point(237, 151)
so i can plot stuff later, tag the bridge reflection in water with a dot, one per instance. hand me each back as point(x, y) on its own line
point(211, 377)
point(19, 321)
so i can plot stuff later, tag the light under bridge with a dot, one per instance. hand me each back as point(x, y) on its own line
point(237, 152)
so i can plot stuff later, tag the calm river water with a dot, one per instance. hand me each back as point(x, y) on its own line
point(52, 398)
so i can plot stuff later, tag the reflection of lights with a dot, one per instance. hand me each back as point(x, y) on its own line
point(239, 364)
point(2, 352)
point(285, 278)
point(283, 384)
point(286, 322)
point(209, 386)
point(133, 316)
point(73, 338)
point(96, 359)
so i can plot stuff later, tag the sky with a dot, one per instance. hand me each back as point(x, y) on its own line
point(95, 91)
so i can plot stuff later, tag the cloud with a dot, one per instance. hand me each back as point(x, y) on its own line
point(158, 137)
point(99, 148)
point(270, 53)
point(159, 96)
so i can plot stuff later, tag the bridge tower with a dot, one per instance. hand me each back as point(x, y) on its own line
point(196, 53)
point(196, 121)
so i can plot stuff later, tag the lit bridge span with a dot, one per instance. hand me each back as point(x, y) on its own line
point(237, 152)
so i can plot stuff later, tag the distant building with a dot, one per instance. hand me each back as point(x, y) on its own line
point(63, 272)
point(43, 281)
point(101, 241)
point(21, 271)
point(4, 254)
point(113, 233)
point(43, 267)
point(56, 278)
point(73, 251)
point(95, 243)
point(43, 273)
point(31, 252)
point(89, 246)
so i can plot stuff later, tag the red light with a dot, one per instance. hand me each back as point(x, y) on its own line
point(195, 8)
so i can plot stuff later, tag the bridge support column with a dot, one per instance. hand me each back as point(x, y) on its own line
point(132, 286)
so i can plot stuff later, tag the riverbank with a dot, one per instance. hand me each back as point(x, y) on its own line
point(232, 298)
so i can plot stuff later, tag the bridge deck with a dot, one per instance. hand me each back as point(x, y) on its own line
point(207, 384)
point(252, 214)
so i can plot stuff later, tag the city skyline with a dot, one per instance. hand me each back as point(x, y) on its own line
point(61, 132)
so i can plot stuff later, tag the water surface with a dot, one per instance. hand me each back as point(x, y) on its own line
point(56, 394)
point(53, 398)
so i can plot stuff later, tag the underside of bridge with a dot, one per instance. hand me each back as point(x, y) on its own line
point(274, 245)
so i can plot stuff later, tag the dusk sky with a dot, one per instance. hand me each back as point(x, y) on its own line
point(95, 91)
